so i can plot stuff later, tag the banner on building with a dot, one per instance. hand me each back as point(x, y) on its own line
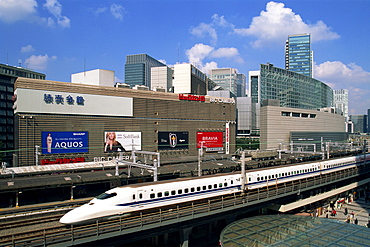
point(212, 141)
point(64, 142)
point(121, 141)
point(173, 140)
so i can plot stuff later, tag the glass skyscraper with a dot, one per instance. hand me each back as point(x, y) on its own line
point(138, 69)
point(298, 54)
point(291, 89)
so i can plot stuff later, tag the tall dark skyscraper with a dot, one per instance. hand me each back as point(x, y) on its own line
point(137, 69)
point(298, 54)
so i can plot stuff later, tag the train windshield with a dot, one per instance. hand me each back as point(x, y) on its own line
point(104, 196)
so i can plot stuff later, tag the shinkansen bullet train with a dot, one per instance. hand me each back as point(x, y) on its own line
point(127, 199)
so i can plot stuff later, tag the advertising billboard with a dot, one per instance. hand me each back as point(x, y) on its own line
point(121, 141)
point(64, 142)
point(212, 141)
point(173, 140)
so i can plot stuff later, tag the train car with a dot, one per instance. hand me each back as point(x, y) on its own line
point(127, 199)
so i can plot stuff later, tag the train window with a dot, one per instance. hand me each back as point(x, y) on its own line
point(159, 194)
point(192, 189)
point(133, 197)
point(173, 192)
point(258, 178)
point(198, 188)
point(140, 196)
point(106, 195)
point(186, 190)
point(288, 173)
point(179, 192)
point(265, 177)
point(272, 176)
point(204, 187)
point(232, 181)
point(209, 187)
point(220, 185)
point(225, 184)
point(152, 196)
point(250, 179)
point(215, 186)
point(166, 193)
point(269, 176)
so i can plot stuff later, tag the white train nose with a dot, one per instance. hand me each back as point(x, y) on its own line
point(77, 215)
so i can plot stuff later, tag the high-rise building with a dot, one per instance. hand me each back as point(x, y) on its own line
point(298, 54)
point(8, 76)
point(341, 101)
point(228, 79)
point(190, 80)
point(359, 123)
point(161, 79)
point(138, 69)
point(241, 85)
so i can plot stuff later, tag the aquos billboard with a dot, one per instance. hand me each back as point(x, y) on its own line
point(64, 142)
point(212, 141)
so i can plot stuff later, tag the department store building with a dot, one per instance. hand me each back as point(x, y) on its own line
point(59, 122)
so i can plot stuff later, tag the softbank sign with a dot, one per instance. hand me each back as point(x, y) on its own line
point(192, 97)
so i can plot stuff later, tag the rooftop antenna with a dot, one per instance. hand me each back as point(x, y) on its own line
point(178, 52)
point(19, 62)
point(84, 67)
point(7, 58)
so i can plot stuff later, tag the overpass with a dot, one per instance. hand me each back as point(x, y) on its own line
point(182, 218)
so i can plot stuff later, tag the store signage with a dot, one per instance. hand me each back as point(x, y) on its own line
point(60, 99)
point(64, 142)
point(62, 161)
point(209, 140)
point(192, 97)
point(173, 140)
point(222, 100)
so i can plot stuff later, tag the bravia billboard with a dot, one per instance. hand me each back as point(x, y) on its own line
point(121, 141)
point(210, 140)
point(173, 140)
point(64, 142)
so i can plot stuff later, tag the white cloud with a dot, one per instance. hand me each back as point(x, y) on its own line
point(55, 8)
point(27, 48)
point(277, 22)
point(203, 30)
point(16, 10)
point(26, 10)
point(117, 11)
point(199, 52)
point(352, 77)
point(38, 62)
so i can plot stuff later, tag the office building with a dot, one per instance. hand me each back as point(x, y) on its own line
point(241, 85)
point(359, 123)
point(189, 80)
point(298, 54)
point(292, 89)
point(281, 125)
point(161, 79)
point(98, 77)
point(8, 76)
point(138, 69)
point(341, 101)
point(228, 79)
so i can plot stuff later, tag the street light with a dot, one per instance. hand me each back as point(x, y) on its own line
point(17, 198)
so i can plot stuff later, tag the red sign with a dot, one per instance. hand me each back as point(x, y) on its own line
point(192, 97)
point(62, 161)
point(210, 139)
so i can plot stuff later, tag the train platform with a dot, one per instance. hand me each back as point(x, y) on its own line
point(359, 209)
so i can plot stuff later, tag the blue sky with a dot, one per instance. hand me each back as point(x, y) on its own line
point(62, 37)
